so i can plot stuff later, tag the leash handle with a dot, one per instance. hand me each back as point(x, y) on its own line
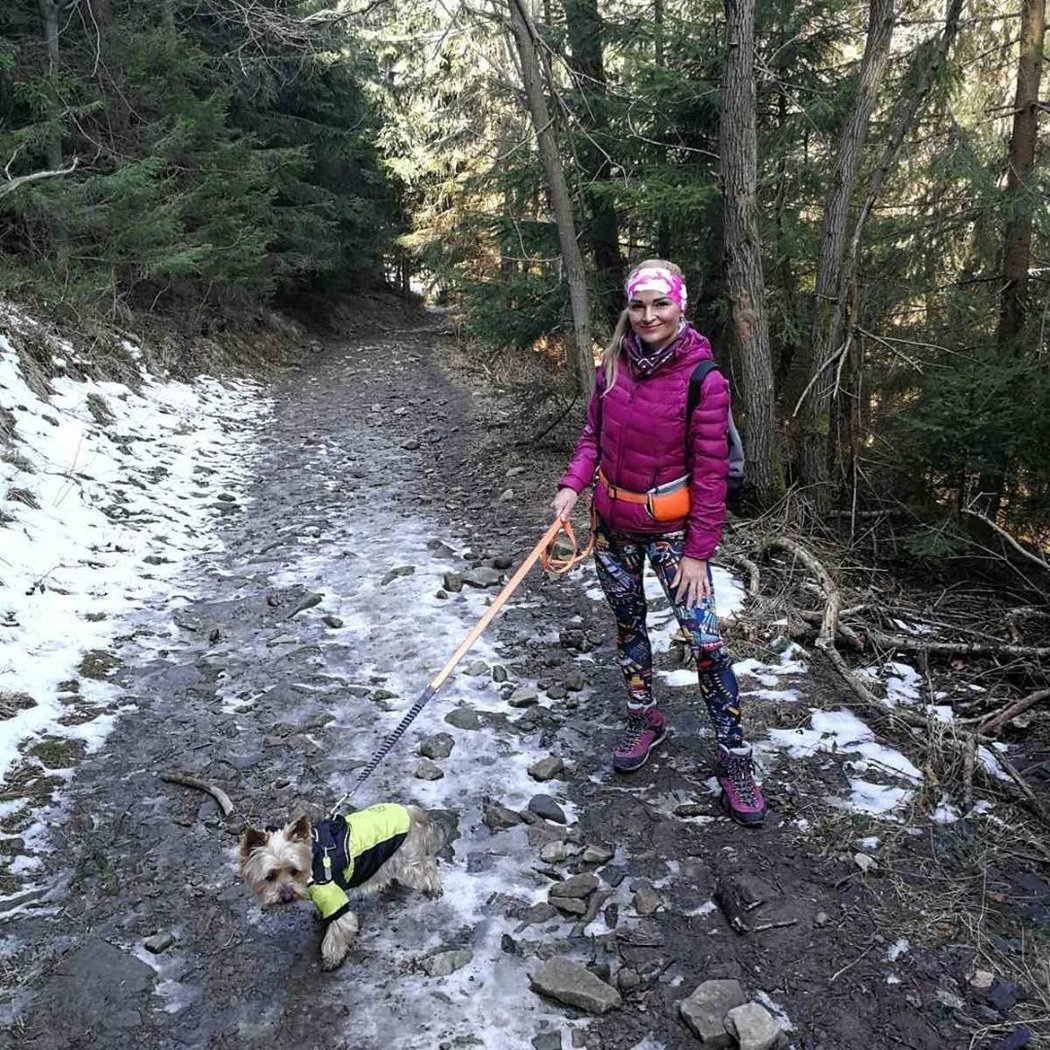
point(562, 563)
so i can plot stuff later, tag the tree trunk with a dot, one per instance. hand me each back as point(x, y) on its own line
point(829, 308)
point(558, 192)
point(49, 16)
point(1021, 197)
point(602, 233)
point(743, 249)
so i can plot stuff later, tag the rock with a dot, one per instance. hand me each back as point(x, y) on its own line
point(948, 999)
point(393, 574)
point(571, 638)
point(499, 673)
point(596, 855)
point(94, 988)
point(647, 901)
point(982, 980)
point(427, 770)
point(546, 769)
point(482, 576)
point(563, 980)
point(463, 718)
point(476, 668)
point(569, 905)
point(547, 1041)
point(410, 445)
point(691, 809)
point(754, 1027)
point(706, 1009)
point(544, 806)
point(578, 886)
point(441, 964)
point(572, 679)
point(557, 691)
point(437, 746)
point(541, 912)
point(159, 942)
point(505, 496)
point(523, 696)
point(497, 817)
point(554, 852)
point(332, 621)
point(282, 639)
point(821, 919)
point(452, 582)
point(865, 862)
point(627, 979)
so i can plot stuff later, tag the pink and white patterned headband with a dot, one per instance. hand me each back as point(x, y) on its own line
point(658, 279)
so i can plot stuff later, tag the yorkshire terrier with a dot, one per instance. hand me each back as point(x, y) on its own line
point(334, 859)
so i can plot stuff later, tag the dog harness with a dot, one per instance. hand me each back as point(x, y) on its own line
point(348, 851)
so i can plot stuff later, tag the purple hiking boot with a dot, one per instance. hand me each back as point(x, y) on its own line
point(645, 729)
point(741, 796)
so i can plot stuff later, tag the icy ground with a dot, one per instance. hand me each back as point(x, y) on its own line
point(149, 511)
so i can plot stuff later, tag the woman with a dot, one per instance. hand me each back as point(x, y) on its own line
point(661, 494)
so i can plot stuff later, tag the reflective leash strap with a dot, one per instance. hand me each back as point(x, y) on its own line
point(541, 552)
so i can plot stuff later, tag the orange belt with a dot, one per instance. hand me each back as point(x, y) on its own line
point(622, 494)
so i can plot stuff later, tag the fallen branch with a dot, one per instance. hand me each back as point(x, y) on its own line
point(185, 780)
point(751, 568)
point(993, 725)
point(1017, 546)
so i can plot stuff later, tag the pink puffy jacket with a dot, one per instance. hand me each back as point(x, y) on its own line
point(636, 434)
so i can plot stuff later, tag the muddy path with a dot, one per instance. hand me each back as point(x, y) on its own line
point(376, 475)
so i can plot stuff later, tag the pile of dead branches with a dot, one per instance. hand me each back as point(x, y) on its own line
point(814, 592)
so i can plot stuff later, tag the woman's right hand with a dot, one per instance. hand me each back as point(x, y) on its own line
point(563, 503)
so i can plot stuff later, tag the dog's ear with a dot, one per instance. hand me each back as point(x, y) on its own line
point(252, 839)
point(300, 830)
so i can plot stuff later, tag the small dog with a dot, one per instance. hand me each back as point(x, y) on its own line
point(331, 860)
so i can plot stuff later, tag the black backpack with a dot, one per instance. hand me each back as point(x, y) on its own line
point(735, 481)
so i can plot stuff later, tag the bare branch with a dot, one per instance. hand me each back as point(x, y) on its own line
point(10, 185)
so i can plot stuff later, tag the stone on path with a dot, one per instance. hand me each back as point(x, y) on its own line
point(754, 1027)
point(523, 696)
point(706, 1009)
point(437, 746)
point(463, 718)
point(578, 886)
point(482, 576)
point(560, 978)
point(547, 768)
point(498, 817)
point(159, 942)
point(427, 770)
point(544, 806)
point(441, 964)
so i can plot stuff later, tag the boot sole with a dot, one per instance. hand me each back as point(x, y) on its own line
point(632, 769)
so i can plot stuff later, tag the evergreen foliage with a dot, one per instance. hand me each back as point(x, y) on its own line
point(217, 157)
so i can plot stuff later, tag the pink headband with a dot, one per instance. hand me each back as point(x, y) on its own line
point(658, 279)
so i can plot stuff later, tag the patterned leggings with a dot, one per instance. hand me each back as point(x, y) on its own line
point(620, 560)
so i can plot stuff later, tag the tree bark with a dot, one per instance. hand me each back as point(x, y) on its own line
point(602, 233)
point(830, 302)
point(558, 191)
point(49, 17)
point(1017, 242)
point(743, 249)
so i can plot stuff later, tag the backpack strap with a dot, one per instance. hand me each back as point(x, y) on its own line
point(696, 382)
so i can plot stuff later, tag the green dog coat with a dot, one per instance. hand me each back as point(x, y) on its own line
point(348, 851)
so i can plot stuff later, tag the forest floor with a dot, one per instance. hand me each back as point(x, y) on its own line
point(384, 464)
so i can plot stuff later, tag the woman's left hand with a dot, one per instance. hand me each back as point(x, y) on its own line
point(691, 583)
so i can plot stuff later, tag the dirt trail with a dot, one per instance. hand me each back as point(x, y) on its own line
point(367, 492)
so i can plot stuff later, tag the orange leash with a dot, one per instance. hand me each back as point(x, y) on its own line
point(557, 557)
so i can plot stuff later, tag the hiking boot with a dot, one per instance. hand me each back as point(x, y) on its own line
point(644, 730)
point(741, 796)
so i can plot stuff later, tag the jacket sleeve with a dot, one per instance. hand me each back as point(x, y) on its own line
point(709, 450)
point(580, 472)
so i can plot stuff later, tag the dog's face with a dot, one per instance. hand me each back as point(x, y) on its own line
point(276, 864)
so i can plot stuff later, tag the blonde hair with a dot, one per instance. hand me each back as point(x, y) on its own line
point(611, 353)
